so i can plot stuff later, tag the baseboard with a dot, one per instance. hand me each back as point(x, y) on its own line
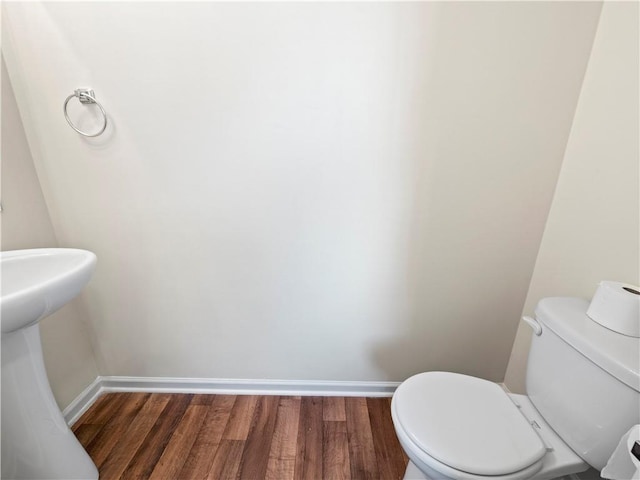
point(223, 386)
point(82, 402)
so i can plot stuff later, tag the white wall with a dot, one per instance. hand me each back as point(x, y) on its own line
point(25, 223)
point(593, 229)
point(341, 191)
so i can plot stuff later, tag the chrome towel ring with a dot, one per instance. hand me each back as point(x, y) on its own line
point(86, 96)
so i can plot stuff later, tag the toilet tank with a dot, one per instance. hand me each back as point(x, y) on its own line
point(583, 379)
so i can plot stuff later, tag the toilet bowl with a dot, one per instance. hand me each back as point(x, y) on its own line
point(583, 389)
point(455, 426)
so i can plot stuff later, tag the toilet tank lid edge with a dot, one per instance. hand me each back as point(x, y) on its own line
point(617, 354)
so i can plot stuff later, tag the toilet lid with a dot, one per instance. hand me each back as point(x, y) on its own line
point(466, 423)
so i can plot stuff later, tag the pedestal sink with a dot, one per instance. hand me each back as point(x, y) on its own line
point(36, 442)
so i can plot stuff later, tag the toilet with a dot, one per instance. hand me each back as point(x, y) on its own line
point(583, 395)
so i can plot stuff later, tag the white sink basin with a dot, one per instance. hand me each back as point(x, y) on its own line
point(36, 283)
point(36, 441)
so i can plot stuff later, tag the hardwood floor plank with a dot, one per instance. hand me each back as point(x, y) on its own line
point(202, 399)
point(310, 434)
point(240, 418)
point(333, 409)
point(389, 453)
point(227, 460)
point(362, 455)
point(86, 432)
point(104, 408)
point(180, 443)
point(126, 448)
point(204, 448)
point(282, 456)
point(335, 459)
point(145, 459)
point(91, 412)
point(103, 443)
point(258, 444)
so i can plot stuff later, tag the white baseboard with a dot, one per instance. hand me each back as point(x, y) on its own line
point(82, 402)
point(223, 386)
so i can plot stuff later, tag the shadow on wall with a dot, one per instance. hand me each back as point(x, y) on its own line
point(491, 120)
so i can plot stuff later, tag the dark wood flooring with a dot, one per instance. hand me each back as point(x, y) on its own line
point(183, 436)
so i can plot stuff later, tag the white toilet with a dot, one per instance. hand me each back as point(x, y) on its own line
point(583, 385)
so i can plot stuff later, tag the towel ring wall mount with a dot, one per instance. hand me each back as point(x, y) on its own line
point(86, 96)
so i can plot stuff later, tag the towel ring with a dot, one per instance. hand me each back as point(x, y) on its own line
point(86, 96)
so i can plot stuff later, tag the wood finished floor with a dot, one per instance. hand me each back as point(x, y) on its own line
point(182, 436)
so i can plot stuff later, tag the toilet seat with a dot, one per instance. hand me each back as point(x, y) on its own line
point(465, 427)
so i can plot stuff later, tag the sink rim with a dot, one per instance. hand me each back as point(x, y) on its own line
point(88, 257)
point(69, 281)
